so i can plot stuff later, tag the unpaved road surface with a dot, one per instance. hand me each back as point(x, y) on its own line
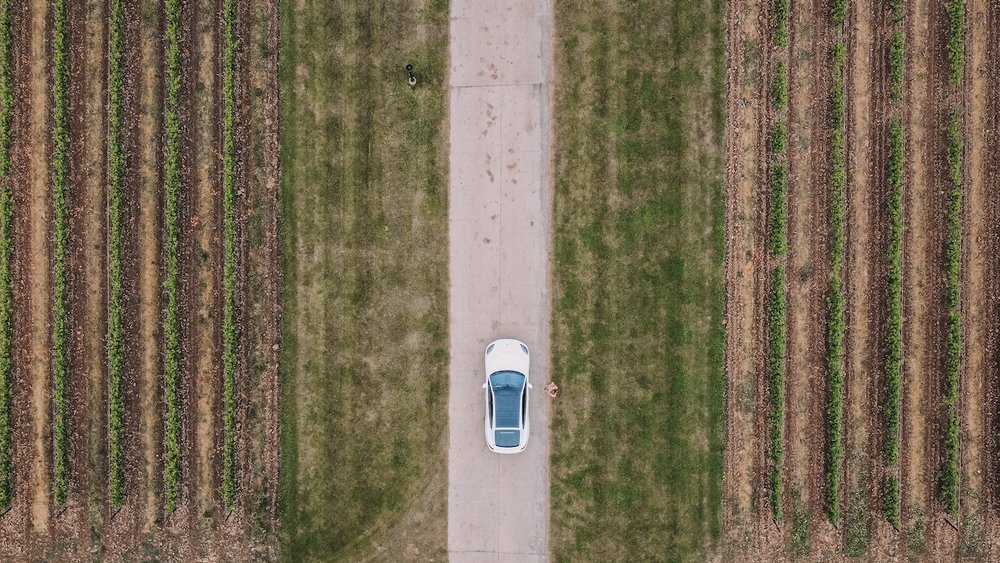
point(498, 226)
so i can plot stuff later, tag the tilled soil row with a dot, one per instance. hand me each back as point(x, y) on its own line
point(745, 251)
point(88, 277)
point(809, 259)
point(981, 281)
point(925, 309)
point(16, 524)
point(868, 35)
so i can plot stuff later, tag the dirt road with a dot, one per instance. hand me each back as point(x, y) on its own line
point(498, 224)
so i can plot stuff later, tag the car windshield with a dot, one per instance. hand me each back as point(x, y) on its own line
point(507, 386)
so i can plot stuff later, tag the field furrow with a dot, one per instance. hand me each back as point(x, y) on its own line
point(86, 483)
point(38, 277)
point(866, 268)
point(203, 260)
point(745, 267)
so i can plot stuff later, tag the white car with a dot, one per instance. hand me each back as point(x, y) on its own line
point(507, 386)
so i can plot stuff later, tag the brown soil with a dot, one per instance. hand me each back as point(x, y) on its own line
point(929, 98)
point(206, 258)
point(257, 290)
point(39, 275)
point(808, 262)
point(87, 203)
point(16, 524)
point(744, 269)
point(868, 37)
point(982, 284)
point(150, 289)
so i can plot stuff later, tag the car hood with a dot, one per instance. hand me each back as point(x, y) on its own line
point(507, 355)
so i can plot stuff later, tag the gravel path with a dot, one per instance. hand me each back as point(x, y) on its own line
point(499, 231)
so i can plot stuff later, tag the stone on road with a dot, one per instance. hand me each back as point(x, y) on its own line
point(498, 226)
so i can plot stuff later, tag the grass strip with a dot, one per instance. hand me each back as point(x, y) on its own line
point(894, 331)
point(171, 249)
point(60, 249)
point(835, 321)
point(115, 344)
point(229, 252)
point(956, 39)
point(6, 255)
point(953, 355)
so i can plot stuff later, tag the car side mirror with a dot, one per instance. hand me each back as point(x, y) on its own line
point(530, 386)
point(484, 386)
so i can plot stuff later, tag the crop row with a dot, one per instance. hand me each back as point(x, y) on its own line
point(835, 322)
point(894, 297)
point(60, 249)
point(115, 343)
point(776, 373)
point(956, 38)
point(779, 245)
point(953, 355)
point(229, 251)
point(894, 355)
point(171, 249)
point(6, 254)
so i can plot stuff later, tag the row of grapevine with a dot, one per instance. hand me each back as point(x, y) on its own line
point(835, 321)
point(171, 253)
point(777, 331)
point(115, 342)
point(229, 251)
point(894, 323)
point(60, 249)
point(953, 262)
point(953, 354)
point(6, 255)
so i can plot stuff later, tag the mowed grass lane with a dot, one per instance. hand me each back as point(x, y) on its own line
point(364, 257)
point(638, 301)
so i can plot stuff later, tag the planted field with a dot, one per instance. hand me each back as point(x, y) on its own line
point(880, 259)
point(94, 445)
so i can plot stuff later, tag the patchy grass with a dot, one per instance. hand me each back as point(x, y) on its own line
point(637, 330)
point(365, 277)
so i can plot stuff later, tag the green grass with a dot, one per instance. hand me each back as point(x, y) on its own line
point(835, 305)
point(953, 284)
point(6, 255)
point(60, 249)
point(637, 277)
point(116, 336)
point(171, 258)
point(364, 367)
point(229, 253)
